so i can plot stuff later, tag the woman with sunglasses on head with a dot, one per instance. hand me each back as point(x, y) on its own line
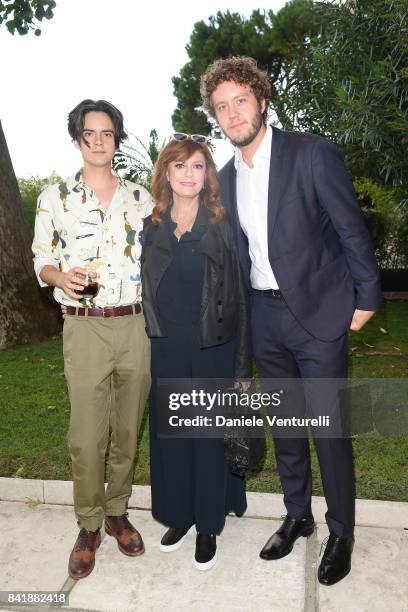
point(195, 305)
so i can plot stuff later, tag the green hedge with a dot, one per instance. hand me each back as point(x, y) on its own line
point(387, 220)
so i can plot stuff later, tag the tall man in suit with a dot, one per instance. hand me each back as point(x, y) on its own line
point(312, 275)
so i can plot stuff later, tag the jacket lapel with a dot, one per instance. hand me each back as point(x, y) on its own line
point(163, 253)
point(241, 239)
point(275, 171)
point(209, 245)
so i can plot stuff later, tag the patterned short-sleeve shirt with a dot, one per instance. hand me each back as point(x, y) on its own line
point(73, 230)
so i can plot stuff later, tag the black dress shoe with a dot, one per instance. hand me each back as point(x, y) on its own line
point(281, 542)
point(336, 560)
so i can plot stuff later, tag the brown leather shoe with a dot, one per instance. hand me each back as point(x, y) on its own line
point(129, 539)
point(82, 557)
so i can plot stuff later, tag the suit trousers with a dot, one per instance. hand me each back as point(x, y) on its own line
point(107, 367)
point(284, 349)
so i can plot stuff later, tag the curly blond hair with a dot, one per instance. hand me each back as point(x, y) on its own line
point(240, 69)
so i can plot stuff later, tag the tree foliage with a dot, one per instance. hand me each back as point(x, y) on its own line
point(135, 161)
point(339, 69)
point(354, 86)
point(274, 40)
point(387, 222)
point(22, 15)
point(30, 188)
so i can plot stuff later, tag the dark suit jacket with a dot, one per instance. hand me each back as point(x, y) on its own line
point(319, 247)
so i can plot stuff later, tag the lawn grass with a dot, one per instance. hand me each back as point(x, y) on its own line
point(34, 414)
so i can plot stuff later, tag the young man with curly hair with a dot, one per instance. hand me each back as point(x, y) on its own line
point(312, 275)
point(86, 233)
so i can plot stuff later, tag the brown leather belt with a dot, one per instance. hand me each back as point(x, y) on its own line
point(116, 311)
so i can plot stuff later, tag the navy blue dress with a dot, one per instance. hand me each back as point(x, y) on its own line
point(190, 481)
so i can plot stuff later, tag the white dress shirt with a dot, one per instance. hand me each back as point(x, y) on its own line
point(252, 201)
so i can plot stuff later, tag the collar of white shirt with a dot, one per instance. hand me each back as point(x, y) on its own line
point(262, 152)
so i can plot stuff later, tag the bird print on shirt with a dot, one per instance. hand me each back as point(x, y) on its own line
point(130, 238)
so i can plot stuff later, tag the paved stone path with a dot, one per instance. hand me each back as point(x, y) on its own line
point(37, 538)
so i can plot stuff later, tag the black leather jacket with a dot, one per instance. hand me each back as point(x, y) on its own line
point(224, 300)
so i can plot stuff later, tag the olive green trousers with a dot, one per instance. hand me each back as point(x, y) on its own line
point(107, 367)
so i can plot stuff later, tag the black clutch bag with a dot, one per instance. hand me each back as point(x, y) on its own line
point(242, 452)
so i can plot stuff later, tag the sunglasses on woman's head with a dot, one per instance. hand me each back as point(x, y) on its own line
point(200, 138)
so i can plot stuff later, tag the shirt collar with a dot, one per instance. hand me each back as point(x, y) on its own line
point(262, 152)
point(76, 184)
point(200, 223)
point(202, 218)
